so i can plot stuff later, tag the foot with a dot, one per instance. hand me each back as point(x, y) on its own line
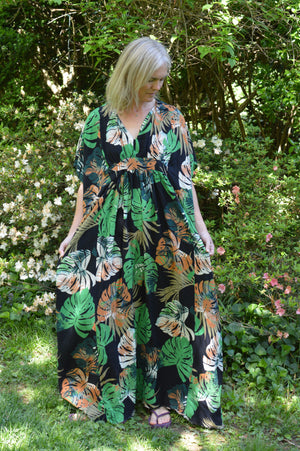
point(77, 417)
point(160, 418)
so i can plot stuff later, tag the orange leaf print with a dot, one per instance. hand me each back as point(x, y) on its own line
point(77, 390)
point(115, 307)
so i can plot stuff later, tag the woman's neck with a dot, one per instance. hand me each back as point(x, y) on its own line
point(141, 109)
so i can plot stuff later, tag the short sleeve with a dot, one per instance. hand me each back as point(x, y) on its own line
point(87, 142)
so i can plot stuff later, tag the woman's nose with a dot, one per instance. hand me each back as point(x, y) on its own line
point(156, 85)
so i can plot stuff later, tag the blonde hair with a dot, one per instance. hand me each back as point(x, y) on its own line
point(136, 64)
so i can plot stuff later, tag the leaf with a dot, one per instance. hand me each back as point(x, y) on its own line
point(91, 129)
point(72, 273)
point(104, 336)
point(127, 349)
point(172, 318)
point(179, 352)
point(192, 398)
point(134, 265)
point(259, 350)
point(109, 260)
point(142, 325)
point(150, 273)
point(78, 311)
point(111, 401)
point(210, 391)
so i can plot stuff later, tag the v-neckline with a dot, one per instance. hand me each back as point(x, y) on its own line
point(134, 138)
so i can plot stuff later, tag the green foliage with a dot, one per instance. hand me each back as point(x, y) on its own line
point(254, 209)
point(37, 208)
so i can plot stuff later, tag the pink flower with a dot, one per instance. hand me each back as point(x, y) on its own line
point(268, 237)
point(280, 311)
point(252, 274)
point(278, 303)
point(266, 276)
point(274, 282)
point(298, 311)
point(221, 250)
point(235, 190)
point(279, 334)
point(280, 287)
point(275, 168)
point(288, 289)
point(221, 287)
point(286, 335)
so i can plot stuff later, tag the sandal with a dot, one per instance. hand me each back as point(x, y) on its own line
point(157, 424)
point(77, 417)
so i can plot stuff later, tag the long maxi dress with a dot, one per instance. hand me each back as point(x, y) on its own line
point(137, 314)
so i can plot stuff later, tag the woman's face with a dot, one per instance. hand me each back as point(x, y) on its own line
point(149, 90)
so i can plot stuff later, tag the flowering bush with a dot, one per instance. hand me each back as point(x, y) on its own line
point(249, 206)
point(38, 189)
point(253, 213)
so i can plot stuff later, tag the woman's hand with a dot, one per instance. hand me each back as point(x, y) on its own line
point(208, 243)
point(63, 246)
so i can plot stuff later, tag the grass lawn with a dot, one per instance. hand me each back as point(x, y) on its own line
point(33, 416)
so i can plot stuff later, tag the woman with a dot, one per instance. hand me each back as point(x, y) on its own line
point(137, 313)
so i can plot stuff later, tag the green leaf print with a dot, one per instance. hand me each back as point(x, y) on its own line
point(192, 402)
point(91, 129)
point(145, 391)
point(78, 311)
point(128, 384)
point(127, 151)
point(172, 144)
point(210, 391)
point(142, 325)
point(104, 336)
point(179, 352)
point(149, 396)
point(111, 401)
point(134, 265)
point(151, 273)
point(143, 210)
point(198, 329)
point(72, 272)
point(172, 319)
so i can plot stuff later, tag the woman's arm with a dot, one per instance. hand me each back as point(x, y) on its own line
point(76, 221)
point(201, 227)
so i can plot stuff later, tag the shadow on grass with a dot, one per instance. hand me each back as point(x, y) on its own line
point(34, 417)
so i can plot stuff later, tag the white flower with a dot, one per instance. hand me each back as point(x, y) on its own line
point(31, 263)
point(17, 164)
point(3, 230)
point(70, 190)
point(216, 141)
point(57, 201)
point(18, 266)
point(200, 143)
point(79, 125)
point(214, 193)
point(217, 151)
point(37, 184)
point(38, 195)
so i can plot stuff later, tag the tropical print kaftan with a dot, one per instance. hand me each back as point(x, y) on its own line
point(137, 311)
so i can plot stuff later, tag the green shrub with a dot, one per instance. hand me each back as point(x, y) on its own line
point(249, 202)
point(253, 209)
